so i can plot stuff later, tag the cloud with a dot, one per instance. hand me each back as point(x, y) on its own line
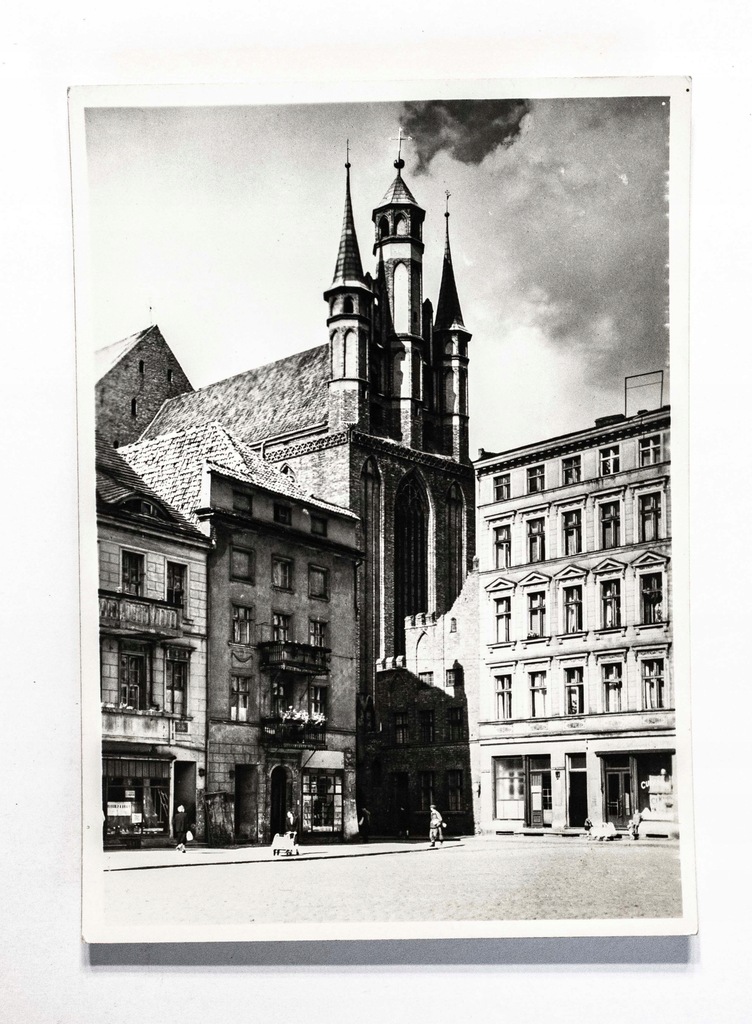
point(466, 129)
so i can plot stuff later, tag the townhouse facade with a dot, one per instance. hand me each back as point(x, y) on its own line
point(576, 692)
point(153, 647)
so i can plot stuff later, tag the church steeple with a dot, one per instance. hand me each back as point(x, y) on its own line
point(350, 300)
point(450, 338)
point(349, 266)
point(448, 312)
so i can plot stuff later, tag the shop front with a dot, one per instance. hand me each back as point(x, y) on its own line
point(136, 799)
point(638, 782)
point(322, 793)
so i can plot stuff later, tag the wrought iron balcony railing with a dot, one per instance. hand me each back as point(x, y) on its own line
point(278, 733)
point(122, 613)
point(294, 657)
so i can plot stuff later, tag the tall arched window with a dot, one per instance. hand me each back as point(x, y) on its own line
point(410, 555)
point(383, 228)
point(455, 545)
point(370, 519)
point(401, 317)
point(401, 225)
point(347, 305)
point(351, 354)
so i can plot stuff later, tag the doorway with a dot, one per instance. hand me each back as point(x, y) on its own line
point(401, 804)
point(618, 796)
point(246, 803)
point(280, 799)
point(577, 809)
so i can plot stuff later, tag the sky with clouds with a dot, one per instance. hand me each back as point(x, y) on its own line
point(222, 225)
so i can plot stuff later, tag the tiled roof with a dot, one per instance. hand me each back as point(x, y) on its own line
point(109, 356)
point(116, 481)
point(398, 192)
point(173, 464)
point(289, 394)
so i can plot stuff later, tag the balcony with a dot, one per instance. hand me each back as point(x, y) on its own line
point(298, 735)
point(126, 615)
point(289, 656)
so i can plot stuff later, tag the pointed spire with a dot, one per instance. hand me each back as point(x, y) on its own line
point(448, 310)
point(349, 266)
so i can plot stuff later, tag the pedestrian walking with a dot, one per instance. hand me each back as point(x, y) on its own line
point(435, 826)
point(365, 824)
point(179, 828)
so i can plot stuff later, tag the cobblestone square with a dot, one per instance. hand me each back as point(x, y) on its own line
point(476, 879)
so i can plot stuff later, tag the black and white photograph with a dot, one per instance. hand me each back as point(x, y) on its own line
point(383, 461)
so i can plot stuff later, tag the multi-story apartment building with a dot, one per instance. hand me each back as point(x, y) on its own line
point(152, 619)
point(576, 695)
point(283, 672)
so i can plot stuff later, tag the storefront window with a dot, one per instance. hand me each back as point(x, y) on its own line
point(137, 797)
point(322, 801)
point(509, 788)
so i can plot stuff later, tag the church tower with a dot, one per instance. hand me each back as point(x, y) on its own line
point(350, 298)
point(450, 338)
point(399, 250)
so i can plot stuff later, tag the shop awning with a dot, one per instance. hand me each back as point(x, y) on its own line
point(113, 748)
point(322, 759)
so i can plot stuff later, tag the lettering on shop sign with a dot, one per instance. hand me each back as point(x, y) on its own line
point(130, 794)
point(122, 809)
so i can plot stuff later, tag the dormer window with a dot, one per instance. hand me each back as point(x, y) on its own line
point(142, 507)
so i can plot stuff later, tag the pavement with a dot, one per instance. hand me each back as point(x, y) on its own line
point(199, 855)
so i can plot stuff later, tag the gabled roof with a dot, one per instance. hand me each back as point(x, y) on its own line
point(109, 356)
point(117, 482)
point(287, 395)
point(173, 464)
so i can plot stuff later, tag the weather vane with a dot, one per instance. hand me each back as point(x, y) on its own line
point(399, 139)
point(447, 193)
point(347, 163)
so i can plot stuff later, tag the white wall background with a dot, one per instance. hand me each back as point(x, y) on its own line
point(49, 975)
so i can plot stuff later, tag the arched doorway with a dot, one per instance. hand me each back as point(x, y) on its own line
point(280, 799)
point(410, 555)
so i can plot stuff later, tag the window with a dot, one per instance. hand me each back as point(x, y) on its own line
point(503, 698)
point(653, 687)
point(317, 633)
point(281, 573)
point(538, 692)
point(318, 697)
point(401, 727)
point(134, 408)
point(612, 688)
point(175, 584)
point(609, 460)
point(176, 679)
point(650, 450)
point(319, 526)
point(281, 697)
point(572, 526)
point(242, 502)
point(571, 470)
point(649, 515)
point(610, 524)
point(239, 697)
point(426, 726)
point(454, 789)
point(318, 583)
point(141, 366)
point(282, 514)
point(243, 564)
point(452, 625)
point(169, 376)
point(651, 598)
point(133, 680)
point(536, 540)
point(450, 678)
point(509, 788)
point(426, 678)
point(280, 627)
point(573, 609)
point(501, 487)
point(536, 479)
point(503, 619)
point(425, 788)
point(536, 615)
point(132, 577)
point(610, 604)
point(502, 547)
point(242, 624)
point(574, 692)
point(455, 725)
